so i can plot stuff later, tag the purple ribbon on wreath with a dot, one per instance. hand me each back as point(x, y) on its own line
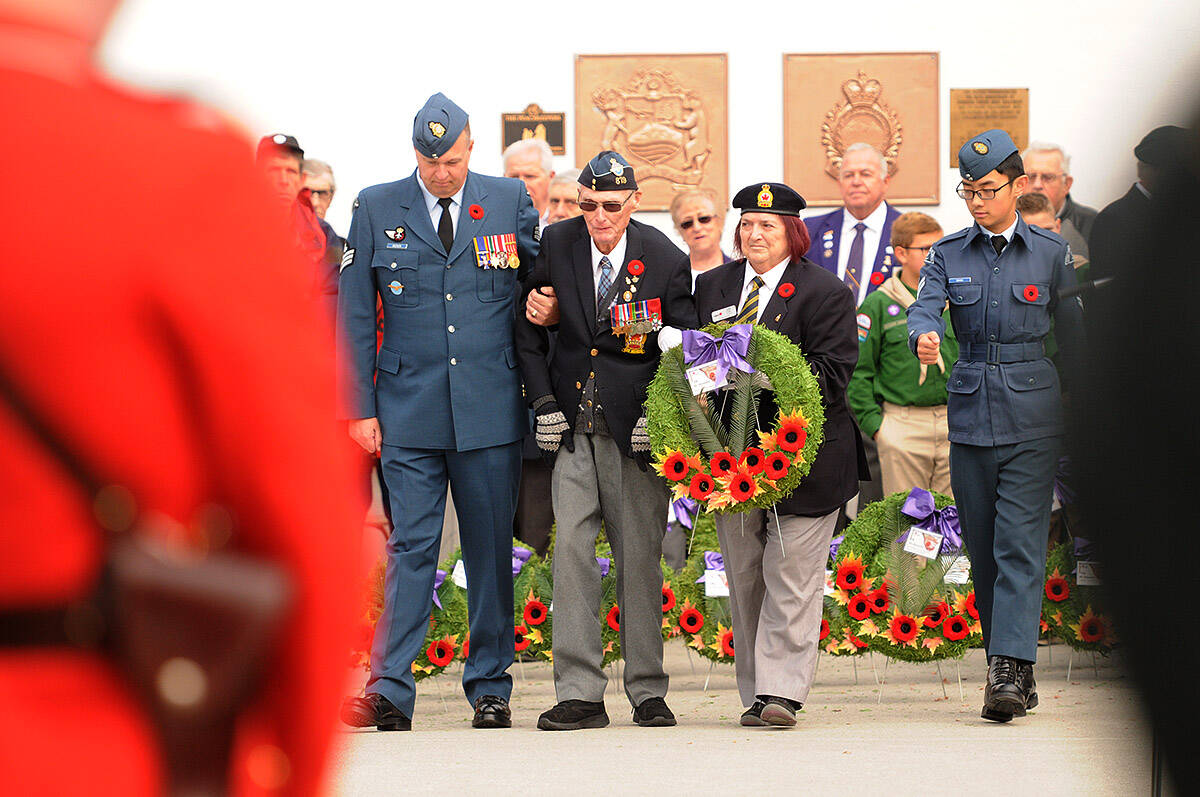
point(519, 557)
point(712, 561)
point(683, 511)
point(729, 350)
point(921, 507)
point(604, 565)
point(834, 544)
point(439, 578)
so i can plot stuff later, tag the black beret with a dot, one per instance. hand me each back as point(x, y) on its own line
point(769, 198)
point(1165, 146)
point(608, 171)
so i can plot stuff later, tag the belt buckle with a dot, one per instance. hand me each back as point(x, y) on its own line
point(993, 353)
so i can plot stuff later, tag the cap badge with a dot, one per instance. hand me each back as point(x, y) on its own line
point(616, 166)
point(279, 138)
point(765, 198)
point(438, 129)
point(980, 147)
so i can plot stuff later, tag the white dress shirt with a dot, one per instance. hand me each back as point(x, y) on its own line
point(770, 279)
point(616, 257)
point(871, 237)
point(435, 210)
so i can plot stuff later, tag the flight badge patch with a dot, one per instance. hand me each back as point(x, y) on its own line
point(396, 234)
point(347, 259)
point(497, 251)
point(396, 287)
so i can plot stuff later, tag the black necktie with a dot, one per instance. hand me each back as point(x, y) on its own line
point(854, 263)
point(446, 225)
point(998, 243)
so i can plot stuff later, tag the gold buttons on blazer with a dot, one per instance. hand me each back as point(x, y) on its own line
point(595, 352)
point(579, 385)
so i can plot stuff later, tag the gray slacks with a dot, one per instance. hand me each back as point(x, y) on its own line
point(776, 594)
point(598, 483)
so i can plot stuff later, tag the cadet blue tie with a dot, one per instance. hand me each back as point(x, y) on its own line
point(605, 283)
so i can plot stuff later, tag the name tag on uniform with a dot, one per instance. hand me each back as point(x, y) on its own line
point(959, 280)
point(397, 246)
point(724, 312)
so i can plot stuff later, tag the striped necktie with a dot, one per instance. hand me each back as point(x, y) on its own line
point(749, 314)
point(605, 283)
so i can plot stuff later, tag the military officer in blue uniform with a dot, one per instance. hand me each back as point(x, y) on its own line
point(1005, 416)
point(445, 248)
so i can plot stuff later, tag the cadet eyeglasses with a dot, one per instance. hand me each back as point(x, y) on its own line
point(982, 193)
point(588, 205)
point(687, 225)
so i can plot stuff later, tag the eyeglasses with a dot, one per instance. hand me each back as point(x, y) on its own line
point(917, 248)
point(588, 205)
point(1035, 177)
point(320, 193)
point(982, 193)
point(687, 225)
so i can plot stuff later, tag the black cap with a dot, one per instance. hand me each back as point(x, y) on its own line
point(608, 171)
point(1164, 146)
point(769, 198)
point(277, 143)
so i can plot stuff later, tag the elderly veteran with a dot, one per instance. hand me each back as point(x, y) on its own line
point(588, 400)
point(776, 560)
point(443, 248)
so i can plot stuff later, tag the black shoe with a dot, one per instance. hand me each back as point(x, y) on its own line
point(492, 712)
point(1009, 691)
point(572, 715)
point(374, 709)
point(778, 711)
point(653, 713)
point(752, 717)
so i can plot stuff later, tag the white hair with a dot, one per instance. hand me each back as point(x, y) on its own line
point(316, 168)
point(1049, 146)
point(529, 145)
point(570, 177)
point(864, 147)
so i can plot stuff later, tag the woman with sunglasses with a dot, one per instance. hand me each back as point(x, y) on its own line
point(699, 223)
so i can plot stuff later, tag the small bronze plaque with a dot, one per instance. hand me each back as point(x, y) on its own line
point(533, 122)
point(974, 110)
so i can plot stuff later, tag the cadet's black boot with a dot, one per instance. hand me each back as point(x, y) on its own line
point(1003, 696)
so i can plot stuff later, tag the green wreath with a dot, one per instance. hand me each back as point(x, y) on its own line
point(1069, 610)
point(739, 468)
point(897, 605)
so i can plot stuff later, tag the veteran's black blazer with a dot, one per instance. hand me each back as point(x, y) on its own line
point(819, 317)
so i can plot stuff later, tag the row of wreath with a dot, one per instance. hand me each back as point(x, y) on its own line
point(880, 599)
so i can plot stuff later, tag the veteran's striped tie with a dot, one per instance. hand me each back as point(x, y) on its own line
point(749, 313)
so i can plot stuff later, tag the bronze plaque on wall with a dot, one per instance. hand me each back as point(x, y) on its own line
point(667, 114)
point(974, 110)
point(533, 122)
point(888, 100)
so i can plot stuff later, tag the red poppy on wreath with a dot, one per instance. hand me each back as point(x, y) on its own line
point(676, 467)
point(955, 628)
point(824, 630)
point(701, 487)
point(475, 211)
point(855, 641)
point(935, 614)
point(722, 464)
point(742, 486)
point(727, 643)
point(786, 289)
point(970, 604)
point(859, 607)
point(535, 612)
point(614, 618)
point(466, 647)
point(877, 278)
point(879, 601)
point(1031, 293)
point(752, 460)
point(850, 573)
point(792, 436)
point(636, 267)
point(440, 652)
point(904, 628)
point(1057, 588)
point(691, 620)
point(776, 466)
point(668, 599)
point(1092, 627)
point(519, 640)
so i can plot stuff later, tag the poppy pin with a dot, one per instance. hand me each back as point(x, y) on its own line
point(786, 289)
point(636, 267)
point(1031, 293)
point(877, 278)
point(476, 212)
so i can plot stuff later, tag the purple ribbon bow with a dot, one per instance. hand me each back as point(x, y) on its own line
point(921, 508)
point(729, 350)
point(834, 545)
point(683, 511)
point(439, 578)
point(604, 565)
point(712, 561)
point(519, 557)
point(1083, 549)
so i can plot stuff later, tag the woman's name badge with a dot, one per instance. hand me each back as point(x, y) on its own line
point(724, 312)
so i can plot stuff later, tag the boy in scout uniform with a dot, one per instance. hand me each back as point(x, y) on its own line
point(443, 248)
point(898, 401)
point(1002, 279)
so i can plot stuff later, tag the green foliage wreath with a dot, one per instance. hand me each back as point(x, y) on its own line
point(1069, 610)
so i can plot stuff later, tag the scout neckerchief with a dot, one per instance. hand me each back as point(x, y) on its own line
point(898, 292)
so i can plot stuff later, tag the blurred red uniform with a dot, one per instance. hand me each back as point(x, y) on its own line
point(111, 221)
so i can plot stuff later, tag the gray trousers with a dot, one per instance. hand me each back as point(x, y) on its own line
point(776, 594)
point(598, 483)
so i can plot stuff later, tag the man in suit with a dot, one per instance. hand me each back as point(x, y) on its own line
point(776, 560)
point(444, 248)
point(588, 400)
